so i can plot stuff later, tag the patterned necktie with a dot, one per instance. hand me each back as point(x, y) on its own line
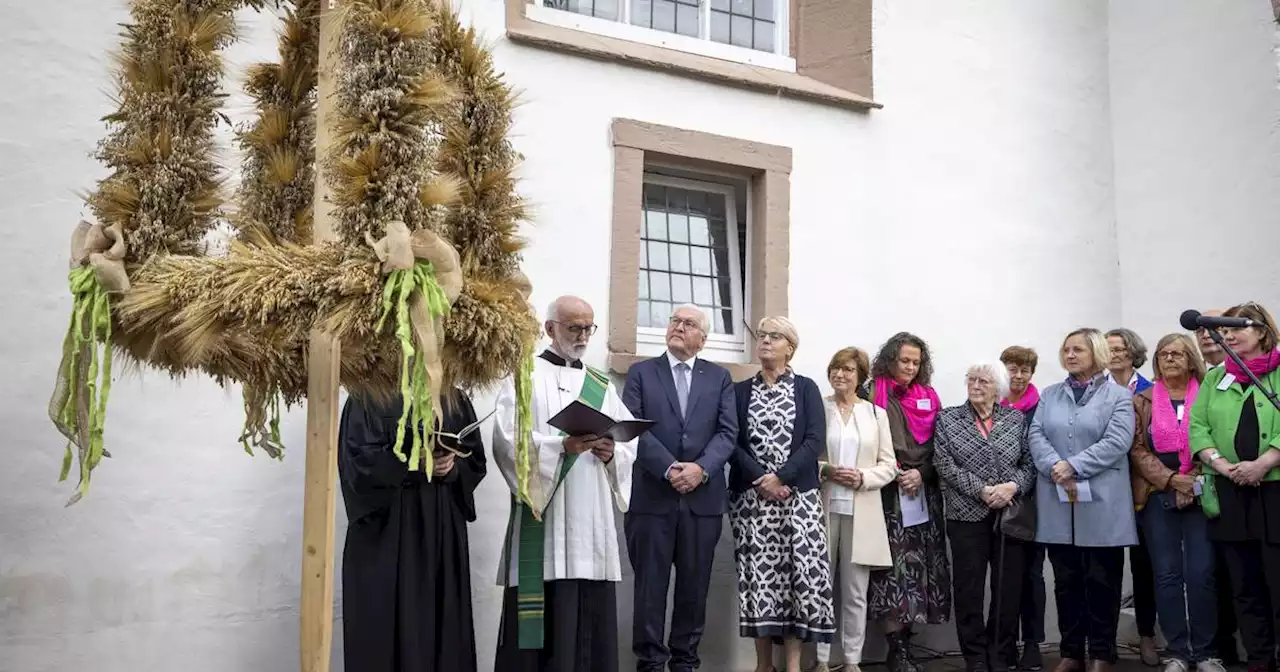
point(682, 386)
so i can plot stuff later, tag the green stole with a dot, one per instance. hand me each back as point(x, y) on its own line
point(530, 597)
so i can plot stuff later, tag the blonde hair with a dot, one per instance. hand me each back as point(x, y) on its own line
point(854, 357)
point(783, 326)
point(1096, 343)
point(1193, 355)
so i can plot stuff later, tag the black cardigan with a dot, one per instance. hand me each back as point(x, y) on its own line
point(809, 437)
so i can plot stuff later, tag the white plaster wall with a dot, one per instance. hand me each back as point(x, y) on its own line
point(1195, 113)
point(976, 208)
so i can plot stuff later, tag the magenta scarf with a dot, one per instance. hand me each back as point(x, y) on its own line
point(1260, 366)
point(1167, 434)
point(919, 420)
point(1028, 401)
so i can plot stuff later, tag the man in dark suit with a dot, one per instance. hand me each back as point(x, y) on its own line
point(678, 496)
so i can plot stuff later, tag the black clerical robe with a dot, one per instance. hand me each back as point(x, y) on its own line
point(406, 587)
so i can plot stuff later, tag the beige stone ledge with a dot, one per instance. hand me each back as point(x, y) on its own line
point(522, 30)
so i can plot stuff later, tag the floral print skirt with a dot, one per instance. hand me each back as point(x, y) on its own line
point(917, 588)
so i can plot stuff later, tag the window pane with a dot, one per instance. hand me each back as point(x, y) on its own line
point(740, 31)
point(716, 206)
point(657, 256)
point(719, 234)
point(697, 202)
point(655, 225)
point(642, 15)
point(764, 10)
point(659, 313)
point(725, 323)
point(720, 262)
point(681, 289)
point(606, 9)
point(655, 195)
point(720, 27)
point(644, 256)
point(664, 15)
point(764, 36)
point(687, 20)
point(642, 313)
point(698, 234)
point(702, 291)
point(724, 296)
point(644, 285)
point(742, 7)
point(680, 258)
point(700, 258)
point(722, 5)
point(678, 227)
point(659, 286)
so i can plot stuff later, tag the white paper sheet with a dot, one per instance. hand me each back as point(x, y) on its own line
point(1083, 493)
point(914, 509)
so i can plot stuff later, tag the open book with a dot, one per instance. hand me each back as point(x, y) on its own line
point(578, 419)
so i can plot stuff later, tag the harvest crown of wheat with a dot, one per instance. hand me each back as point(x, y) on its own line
point(419, 279)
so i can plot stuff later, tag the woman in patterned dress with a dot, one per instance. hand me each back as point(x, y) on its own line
point(917, 589)
point(779, 530)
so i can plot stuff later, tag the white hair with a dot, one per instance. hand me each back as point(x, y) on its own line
point(997, 373)
point(553, 311)
point(704, 323)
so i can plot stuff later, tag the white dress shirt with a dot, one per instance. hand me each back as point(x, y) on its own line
point(843, 444)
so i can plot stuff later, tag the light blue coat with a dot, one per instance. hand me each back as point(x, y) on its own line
point(1094, 436)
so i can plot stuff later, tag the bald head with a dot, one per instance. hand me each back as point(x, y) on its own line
point(570, 324)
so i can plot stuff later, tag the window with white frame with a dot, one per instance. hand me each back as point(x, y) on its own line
point(693, 249)
point(747, 31)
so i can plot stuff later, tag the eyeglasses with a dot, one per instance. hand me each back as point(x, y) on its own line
point(685, 323)
point(973, 380)
point(771, 336)
point(1171, 355)
point(578, 329)
point(848, 370)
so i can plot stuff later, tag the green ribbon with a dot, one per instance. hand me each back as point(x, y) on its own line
point(80, 402)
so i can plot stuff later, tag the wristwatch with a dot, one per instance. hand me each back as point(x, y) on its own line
point(1214, 454)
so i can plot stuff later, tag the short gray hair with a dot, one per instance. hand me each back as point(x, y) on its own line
point(1133, 343)
point(704, 322)
point(997, 373)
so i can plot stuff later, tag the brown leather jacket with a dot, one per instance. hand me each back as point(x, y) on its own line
point(1147, 474)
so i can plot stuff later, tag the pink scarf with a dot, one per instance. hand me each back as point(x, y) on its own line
point(1029, 399)
point(1260, 366)
point(919, 420)
point(1168, 435)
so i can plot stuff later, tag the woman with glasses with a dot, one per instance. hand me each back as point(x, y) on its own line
point(980, 451)
point(1164, 495)
point(1235, 432)
point(858, 462)
point(775, 509)
point(406, 581)
point(917, 589)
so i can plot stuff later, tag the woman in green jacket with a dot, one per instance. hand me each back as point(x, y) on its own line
point(1235, 430)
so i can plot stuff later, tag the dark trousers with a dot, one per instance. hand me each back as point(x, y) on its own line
point(1031, 611)
point(1254, 567)
point(1144, 586)
point(1225, 640)
point(580, 631)
point(655, 542)
point(986, 639)
point(1087, 583)
point(1186, 594)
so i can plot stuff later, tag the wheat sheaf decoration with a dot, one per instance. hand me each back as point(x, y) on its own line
point(422, 286)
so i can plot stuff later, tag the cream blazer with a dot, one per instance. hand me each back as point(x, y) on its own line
point(869, 544)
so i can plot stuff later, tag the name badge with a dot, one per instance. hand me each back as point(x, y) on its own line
point(1226, 382)
point(1182, 410)
point(1198, 487)
point(923, 404)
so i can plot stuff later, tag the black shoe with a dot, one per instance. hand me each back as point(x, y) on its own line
point(1030, 660)
point(909, 664)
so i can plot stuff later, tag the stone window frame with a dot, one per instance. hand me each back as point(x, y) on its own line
point(767, 169)
point(830, 41)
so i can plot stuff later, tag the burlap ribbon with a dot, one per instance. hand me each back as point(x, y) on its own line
point(399, 250)
point(101, 248)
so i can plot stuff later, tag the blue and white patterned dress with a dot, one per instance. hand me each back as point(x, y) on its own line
point(784, 577)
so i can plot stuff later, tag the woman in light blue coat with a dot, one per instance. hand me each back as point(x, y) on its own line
point(1080, 439)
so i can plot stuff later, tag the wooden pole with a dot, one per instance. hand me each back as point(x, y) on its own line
point(323, 357)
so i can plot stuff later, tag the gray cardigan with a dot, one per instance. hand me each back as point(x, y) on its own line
point(1094, 436)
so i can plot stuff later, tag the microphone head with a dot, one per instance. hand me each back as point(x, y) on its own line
point(1190, 320)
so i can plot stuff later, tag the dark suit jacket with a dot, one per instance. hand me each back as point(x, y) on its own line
point(706, 436)
point(808, 440)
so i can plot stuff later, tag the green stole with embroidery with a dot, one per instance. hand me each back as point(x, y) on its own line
point(530, 597)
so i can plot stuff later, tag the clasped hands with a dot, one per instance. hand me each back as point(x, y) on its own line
point(910, 481)
point(600, 446)
point(1065, 475)
point(849, 477)
point(998, 496)
point(685, 476)
point(1249, 472)
point(771, 488)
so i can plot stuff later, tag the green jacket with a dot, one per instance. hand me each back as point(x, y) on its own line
point(1216, 414)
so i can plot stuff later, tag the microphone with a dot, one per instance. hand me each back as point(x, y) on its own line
point(1192, 320)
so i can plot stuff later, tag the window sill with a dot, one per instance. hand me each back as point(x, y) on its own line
point(523, 30)
point(621, 362)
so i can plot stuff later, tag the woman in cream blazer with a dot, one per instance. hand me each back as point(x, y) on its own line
point(859, 460)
